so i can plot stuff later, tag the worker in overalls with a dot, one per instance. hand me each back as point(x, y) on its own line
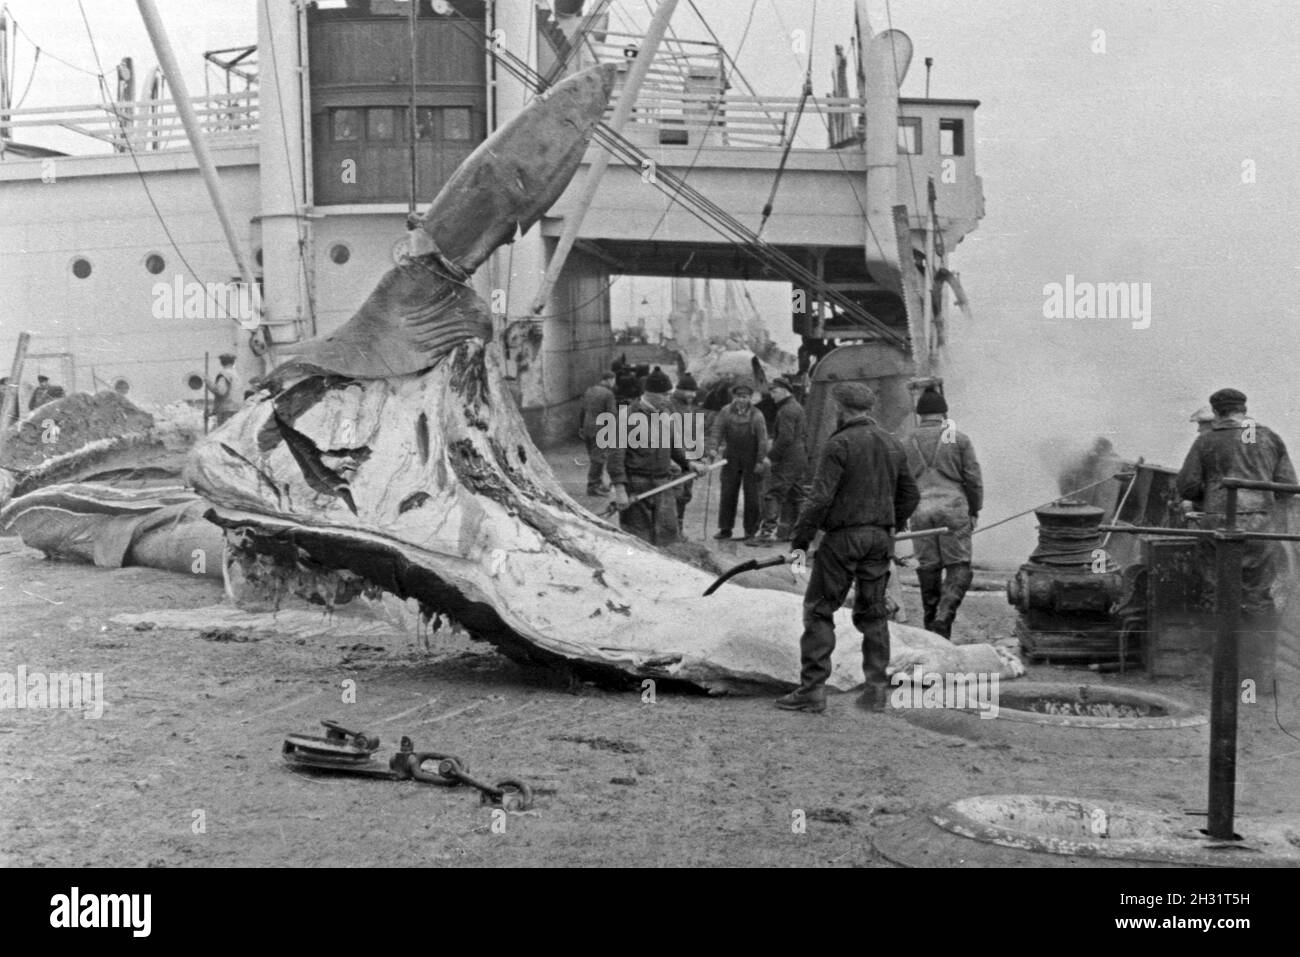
point(942, 460)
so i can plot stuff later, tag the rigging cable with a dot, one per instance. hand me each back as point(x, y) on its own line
point(840, 159)
point(30, 77)
point(126, 139)
point(715, 217)
point(667, 208)
point(794, 128)
point(72, 66)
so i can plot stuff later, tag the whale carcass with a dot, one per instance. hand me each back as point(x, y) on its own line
point(390, 457)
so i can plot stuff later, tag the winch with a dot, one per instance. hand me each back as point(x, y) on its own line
point(1065, 591)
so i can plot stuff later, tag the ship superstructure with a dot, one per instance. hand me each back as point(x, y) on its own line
point(345, 117)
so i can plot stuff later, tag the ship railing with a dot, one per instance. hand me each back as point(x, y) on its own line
point(141, 125)
point(677, 62)
point(680, 118)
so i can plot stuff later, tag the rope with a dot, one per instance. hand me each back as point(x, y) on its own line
point(135, 160)
point(31, 76)
point(1009, 518)
point(1066, 546)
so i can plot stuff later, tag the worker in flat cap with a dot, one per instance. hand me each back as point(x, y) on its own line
point(598, 404)
point(1237, 446)
point(43, 393)
point(683, 405)
point(645, 460)
point(862, 491)
point(739, 435)
point(787, 466)
point(942, 461)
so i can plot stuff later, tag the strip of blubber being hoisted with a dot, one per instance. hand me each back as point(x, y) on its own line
point(389, 456)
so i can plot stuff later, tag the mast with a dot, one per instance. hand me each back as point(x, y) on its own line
point(167, 63)
point(927, 307)
point(415, 9)
point(282, 173)
point(5, 92)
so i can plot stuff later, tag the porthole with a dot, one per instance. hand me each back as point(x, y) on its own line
point(155, 263)
point(339, 254)
point(81, 267)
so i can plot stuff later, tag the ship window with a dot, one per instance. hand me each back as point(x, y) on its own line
point(154, 263)
point(909, 135)
point(456, 123)
point(339, 254)
point(382, 123)
point(952, 140)
point(347, 124)
point(257, 256)
point(673, 133)
point(81, 267)
point(424, 123)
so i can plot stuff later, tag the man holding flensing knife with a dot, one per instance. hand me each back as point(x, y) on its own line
point(862, 491)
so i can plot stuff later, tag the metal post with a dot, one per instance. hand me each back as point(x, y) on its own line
point(1229, 551)
point(285, 230)
point(626, 101)
point(927, 294)
point(415, 9)
point(15, 381)
point(1229, 548)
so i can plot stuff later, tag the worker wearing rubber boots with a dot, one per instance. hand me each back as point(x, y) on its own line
point(861, 492)
point(788, 464)
point(942, 460)
point(637, 466)
point(740, 436)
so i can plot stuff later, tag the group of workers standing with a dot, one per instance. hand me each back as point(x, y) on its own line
point(867, 485)
point(763, 470)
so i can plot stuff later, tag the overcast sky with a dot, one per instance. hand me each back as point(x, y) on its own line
point(1117, 166)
